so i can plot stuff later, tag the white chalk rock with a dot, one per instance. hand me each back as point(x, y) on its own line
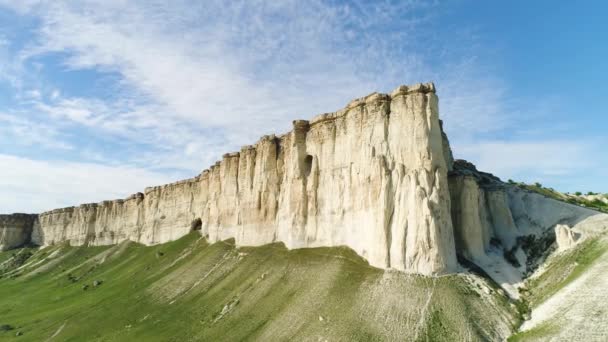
point(15, 230)
point(565, 237)
point(372, 176)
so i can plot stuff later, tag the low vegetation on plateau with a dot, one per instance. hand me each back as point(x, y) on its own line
point(191, 290)
point(591, 200)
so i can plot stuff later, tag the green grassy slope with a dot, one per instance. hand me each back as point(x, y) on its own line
point(564, 268)
point(559, 271)
point(189, 290)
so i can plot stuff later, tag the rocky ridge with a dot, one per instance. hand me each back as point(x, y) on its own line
point(377, 176)
point(508, 231)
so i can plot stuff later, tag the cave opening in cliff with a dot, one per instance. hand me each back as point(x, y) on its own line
point(307, 165)
point(197, 224)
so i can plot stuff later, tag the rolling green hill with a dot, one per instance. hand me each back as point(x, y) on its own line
point(190, 290)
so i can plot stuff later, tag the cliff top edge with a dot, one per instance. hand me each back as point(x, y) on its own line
point(374, 97)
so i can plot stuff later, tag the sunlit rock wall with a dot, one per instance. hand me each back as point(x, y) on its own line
point(16, 230)
point(372, 176)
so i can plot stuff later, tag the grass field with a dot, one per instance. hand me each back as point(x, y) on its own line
point(564, 268)
point(189, 290)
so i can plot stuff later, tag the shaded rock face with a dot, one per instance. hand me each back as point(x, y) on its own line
point(372, 176)
point(489, 215)
point(508, 231)
point(16, 230)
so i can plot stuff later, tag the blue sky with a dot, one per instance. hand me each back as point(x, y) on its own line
point(99, 99)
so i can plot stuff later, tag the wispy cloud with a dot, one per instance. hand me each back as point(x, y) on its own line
point(193, 80)
point(567, 164)
point(20, 131)
point(35, 186)
point(541, 158)
point(227, 72)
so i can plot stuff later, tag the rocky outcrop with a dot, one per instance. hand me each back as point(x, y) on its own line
point(16, 230)
point(486, 210)
point(372, 176)
point(565, 237)
point(480, 212)
point(504, 229)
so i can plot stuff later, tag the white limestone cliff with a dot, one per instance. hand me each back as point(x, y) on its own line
point(15, 230)
point(377, 176)
point(372, 176)
point(498, 226)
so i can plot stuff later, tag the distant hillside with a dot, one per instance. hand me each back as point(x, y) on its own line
point(590, 200)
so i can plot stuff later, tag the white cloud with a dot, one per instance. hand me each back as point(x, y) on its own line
point(7, 72)
point(21, 6)
point(223, 73)
point(170, 142)
point(257, 59)
point(197, 79)
point(78, 110)
point(35, 186)
point(22, 131)
point(33, 94)
point(531, 161)
point(250, 67)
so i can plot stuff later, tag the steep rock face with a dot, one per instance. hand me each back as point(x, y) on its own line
point(498, 226)
point(372, 176)
point(164, 213)
point(470, 218)
point(486, 209)
point(16, 230)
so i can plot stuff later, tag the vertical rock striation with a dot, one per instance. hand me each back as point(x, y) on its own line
point(377, 176)
point(486, 212)
point(16, 230)
point(506, 230)
point(372, 176)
